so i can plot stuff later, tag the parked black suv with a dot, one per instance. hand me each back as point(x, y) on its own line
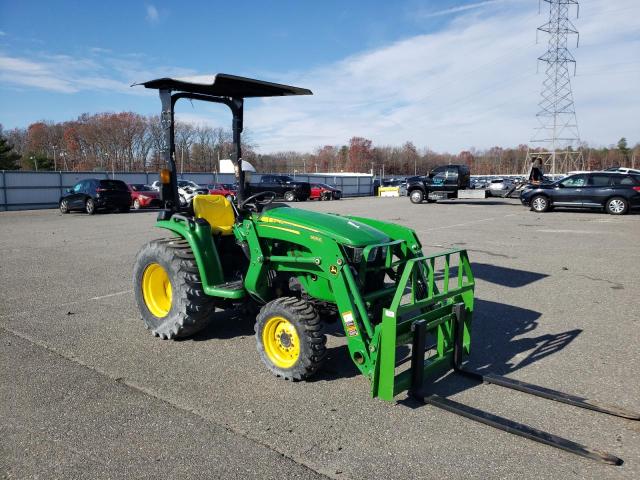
point(283, 186)
point(441, 183)
point(92, 194)
point(616, 193)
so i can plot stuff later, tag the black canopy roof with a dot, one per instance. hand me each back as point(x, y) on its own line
point(224, 85)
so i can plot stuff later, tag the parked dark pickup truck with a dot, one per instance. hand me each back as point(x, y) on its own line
point(283, 186)
point(441, 183)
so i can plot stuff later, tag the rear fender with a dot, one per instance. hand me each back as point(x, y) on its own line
point(199, 237)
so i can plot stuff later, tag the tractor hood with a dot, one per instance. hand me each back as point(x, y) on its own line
point(343, 230)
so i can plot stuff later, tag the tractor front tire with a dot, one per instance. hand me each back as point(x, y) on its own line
point(168, 289)
point(289, 338)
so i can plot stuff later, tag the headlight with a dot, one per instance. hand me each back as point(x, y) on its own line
point(376, 253)
point(354, 254)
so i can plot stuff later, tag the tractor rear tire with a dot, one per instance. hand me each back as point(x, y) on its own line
point(289, 338)
point(168, 289)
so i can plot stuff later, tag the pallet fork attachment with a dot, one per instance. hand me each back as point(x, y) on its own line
point(501, 423)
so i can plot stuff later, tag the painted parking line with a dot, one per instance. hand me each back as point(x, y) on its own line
point(66, 304)
point(474, 221)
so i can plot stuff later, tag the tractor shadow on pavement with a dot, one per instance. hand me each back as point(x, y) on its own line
point(506, 277)
point(503, 276)
point(503, 344)
point(225, 325)
point(338, 363)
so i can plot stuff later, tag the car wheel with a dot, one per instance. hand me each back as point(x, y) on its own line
point(64, 206)
point(416, 196)
point(229, 197)
point(289, 196)
point(617, 206)
point(183, 201)
point(136, 204)
point(539, 203)
point(90, 206)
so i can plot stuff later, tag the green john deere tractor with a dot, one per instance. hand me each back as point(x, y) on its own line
point(406, 315)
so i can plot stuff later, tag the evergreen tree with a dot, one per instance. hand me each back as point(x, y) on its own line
point(8, 158)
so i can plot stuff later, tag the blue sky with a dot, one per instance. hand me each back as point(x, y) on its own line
point(444, 74)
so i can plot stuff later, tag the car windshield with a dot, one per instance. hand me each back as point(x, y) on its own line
point(113, 185)
point(140, 188)
point(187, 183)
point(285, 179)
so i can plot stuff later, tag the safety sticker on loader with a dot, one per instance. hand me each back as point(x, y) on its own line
point(349, 324)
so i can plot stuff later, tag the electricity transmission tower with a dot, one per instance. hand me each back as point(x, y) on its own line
point(557, 139)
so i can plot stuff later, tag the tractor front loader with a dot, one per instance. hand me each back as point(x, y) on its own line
point(406, 315)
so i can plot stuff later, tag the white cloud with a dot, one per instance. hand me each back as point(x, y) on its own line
point(152, 14)
point(102, 72)
point(2, 34)
point(473, 83)
point(458, 9)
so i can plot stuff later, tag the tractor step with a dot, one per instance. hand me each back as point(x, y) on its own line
point(235, 285)
point(419, 330)
point(232, 290)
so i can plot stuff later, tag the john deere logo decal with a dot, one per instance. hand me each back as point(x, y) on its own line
point(333, 270)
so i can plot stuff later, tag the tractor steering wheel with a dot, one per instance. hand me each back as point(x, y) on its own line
point(254, 205)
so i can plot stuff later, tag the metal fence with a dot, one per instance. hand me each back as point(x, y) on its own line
point(22, 190)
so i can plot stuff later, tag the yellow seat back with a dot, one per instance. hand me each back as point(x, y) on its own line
point(216, 210)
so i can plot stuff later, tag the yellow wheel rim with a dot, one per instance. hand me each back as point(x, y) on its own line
point(281, 342)
point(156, 290)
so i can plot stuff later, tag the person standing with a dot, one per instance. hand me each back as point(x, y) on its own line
point(535, 174)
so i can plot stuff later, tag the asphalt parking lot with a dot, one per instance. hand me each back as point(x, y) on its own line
point(87, 392)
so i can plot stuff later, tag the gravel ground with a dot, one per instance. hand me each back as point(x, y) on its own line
point(87, 392)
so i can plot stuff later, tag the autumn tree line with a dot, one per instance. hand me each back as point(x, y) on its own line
point(131, 142)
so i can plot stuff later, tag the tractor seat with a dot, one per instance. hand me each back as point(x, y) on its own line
point(216, 210)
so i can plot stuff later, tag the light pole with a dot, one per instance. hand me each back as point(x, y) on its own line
point(63, 154)
point(55, 164)
point(34, 160)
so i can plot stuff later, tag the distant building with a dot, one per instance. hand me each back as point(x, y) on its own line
point(227, 166)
